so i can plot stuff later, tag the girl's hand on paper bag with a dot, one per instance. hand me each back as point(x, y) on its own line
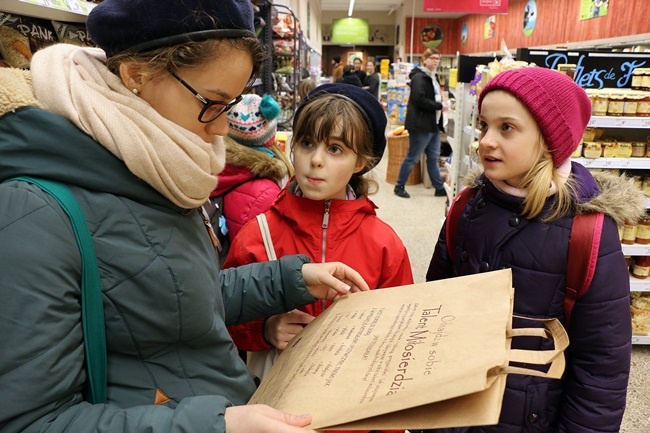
point(281, 328)
point(259, 418)
point(331, 280)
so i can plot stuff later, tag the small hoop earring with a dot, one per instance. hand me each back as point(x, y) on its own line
point(135, 91)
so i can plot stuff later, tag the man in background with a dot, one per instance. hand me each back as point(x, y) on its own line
point(337, 68)
point(357, 62)
point(372, 80)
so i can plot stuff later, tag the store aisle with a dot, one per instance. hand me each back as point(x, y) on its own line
point(418, 220)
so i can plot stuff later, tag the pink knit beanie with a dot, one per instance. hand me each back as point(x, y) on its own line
point(561, 108)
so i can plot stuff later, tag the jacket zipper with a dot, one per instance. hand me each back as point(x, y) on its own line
point(326, 219)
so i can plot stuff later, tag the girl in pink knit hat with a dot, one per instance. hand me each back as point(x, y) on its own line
point(519, 214)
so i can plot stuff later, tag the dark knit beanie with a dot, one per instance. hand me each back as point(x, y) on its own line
point(367, 105)
point(560, 107)
point(118, 26)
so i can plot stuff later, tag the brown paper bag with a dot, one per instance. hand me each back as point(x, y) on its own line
point(428, 355)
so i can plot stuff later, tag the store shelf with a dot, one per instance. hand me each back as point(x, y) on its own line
point(468, 130)
point(638, 285)
point(636, 250)
point(641, 339)
point(619, 122)
point(61, 13)
point(629, 163)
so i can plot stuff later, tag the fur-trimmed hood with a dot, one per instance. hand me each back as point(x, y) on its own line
point(244, 163)
point(605, 192)
point(17, 92)
point(259, 163)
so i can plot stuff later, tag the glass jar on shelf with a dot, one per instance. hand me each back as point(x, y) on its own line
point(599, 104)
point(629, 234)
point(641, 267)
point(637, 78)
point(616, 105)
point(643, 231)
point(643, 105)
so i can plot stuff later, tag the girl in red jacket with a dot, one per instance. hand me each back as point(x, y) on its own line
point(324, 212)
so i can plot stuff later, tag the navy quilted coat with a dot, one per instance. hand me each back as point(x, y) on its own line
point(491, 235)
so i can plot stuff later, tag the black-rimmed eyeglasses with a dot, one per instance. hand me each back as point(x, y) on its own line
point(211, 109)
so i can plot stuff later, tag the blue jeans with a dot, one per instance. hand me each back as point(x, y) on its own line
point(422, 142)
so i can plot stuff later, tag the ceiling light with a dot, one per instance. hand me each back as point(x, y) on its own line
point(350, 8)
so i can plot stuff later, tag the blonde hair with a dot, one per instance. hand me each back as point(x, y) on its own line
point(536, 182)
point(429, 52)
point(320, 117)
point(306, 86)
point(279, 154)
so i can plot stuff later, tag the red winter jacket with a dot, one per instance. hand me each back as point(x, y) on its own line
point(354, 235)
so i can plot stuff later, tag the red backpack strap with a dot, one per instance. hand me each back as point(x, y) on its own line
point(453, 215)
point(583, 255)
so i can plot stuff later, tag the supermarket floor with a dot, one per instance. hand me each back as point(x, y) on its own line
point(418, 220)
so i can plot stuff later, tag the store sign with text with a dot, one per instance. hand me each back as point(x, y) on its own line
point(467, 6)
point(593, 70)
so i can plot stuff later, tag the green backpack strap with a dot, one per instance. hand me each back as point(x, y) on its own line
point(92, 308)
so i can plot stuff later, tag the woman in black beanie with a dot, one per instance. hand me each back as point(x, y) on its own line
point(133, 130)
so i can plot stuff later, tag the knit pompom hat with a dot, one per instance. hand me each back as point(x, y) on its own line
point(135, 26)
point(253, 122)
point(560, 107)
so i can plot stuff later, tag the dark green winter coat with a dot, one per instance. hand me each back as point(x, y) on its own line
point(166, 303)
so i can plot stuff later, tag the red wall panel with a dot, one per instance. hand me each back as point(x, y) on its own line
point(558, 22)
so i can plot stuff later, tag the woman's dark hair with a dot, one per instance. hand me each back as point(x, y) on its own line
point(191, 54)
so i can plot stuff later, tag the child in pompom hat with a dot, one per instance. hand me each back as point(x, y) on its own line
point(324, 212)
point(256, 169)
point(520, 217)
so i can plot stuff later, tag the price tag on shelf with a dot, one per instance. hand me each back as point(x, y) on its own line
point(592, 121)
point(645, 123)
point(75, 6)
point(619, 122)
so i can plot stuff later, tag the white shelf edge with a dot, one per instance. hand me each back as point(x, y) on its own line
point(618, 122)
point(468, 130)
point(640, 339)
point(630, 163)
point(636, 249)
point(44, 12)
point(639, 285)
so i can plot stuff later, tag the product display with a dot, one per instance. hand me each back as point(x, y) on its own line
point(21, 37)
point(641, 313)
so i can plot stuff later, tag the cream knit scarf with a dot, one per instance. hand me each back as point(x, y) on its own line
point(75, 83)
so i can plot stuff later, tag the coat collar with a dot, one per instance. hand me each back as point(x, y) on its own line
point(609, 193)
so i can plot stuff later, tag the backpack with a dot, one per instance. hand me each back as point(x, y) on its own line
point(584, 243)
point(212, 211)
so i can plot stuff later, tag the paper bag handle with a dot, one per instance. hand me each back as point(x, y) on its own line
point(554, 330)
